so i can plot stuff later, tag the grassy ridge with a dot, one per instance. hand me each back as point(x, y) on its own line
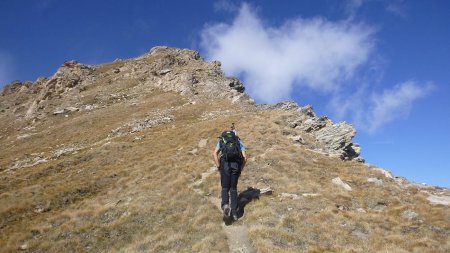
point(91, 182)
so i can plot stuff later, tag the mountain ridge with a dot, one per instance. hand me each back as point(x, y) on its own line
point(73, 75)
point(91, 155)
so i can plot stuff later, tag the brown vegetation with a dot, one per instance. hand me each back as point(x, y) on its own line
point(99, 189)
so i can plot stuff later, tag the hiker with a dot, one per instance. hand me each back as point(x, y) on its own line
point(229, 157)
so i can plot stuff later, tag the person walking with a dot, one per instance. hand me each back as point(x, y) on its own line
point(230, 159)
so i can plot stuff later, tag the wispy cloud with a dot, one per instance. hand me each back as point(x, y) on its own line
point(225, 5)
point(351, 7)
point(394, 103)
point(312, 53)
point(370, 110)
point(397, 7)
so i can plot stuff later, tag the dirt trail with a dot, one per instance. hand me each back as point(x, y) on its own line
point(237, 235)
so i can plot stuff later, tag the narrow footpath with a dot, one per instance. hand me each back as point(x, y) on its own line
point(237, 235)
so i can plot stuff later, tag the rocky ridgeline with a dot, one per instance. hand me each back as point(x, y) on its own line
point(333, 139)
point(177, 70)
point(69, 75)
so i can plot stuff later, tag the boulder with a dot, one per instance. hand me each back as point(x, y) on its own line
point(202, 143)
point(193, 152)
point(285, 195)
point(337, 181)
point(72, 109)
point(66, 110)
point(409, 214)
point(384, 172)
point(297, 139)
point(439, 200)
point(360, 233)
point(287, 106)
point(315, 124)
point(236, 84)
point(376, 181)
point(164, 71)
point(337, 139)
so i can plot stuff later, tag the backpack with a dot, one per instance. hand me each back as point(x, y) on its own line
point(230, 147)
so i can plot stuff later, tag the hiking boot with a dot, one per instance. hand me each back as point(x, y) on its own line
point(226, 210)
point(234, 214)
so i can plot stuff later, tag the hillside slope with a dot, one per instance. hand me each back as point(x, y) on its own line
point(117, 158)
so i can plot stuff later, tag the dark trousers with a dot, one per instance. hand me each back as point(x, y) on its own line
point(229, 175)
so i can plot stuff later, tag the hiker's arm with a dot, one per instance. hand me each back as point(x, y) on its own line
point(244, 160)
point(216, 157)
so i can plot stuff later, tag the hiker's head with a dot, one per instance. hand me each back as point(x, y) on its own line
point(233, 128)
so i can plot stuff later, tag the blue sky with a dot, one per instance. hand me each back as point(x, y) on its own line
point(380, 65)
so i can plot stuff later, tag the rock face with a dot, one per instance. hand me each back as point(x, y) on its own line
point(337, 139)
point(334, 139)
point(69, 75)
point(16, 87)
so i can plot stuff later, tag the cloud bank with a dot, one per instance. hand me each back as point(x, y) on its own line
point(316, 54)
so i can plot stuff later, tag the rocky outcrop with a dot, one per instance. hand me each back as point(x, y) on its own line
point(24, 87)
point(15, 87)
point(335, 139)
point(163, 68)
point(185, 72)
point(69, 75)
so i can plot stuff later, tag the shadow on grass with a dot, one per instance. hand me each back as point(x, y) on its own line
point(244, 198)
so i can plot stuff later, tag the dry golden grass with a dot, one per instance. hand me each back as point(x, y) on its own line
point(118, 195)
point(134, 192)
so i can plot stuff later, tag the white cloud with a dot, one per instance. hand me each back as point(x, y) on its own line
point(371, 110)
point(394, 103)
point(313, 53)
point(338, 59)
